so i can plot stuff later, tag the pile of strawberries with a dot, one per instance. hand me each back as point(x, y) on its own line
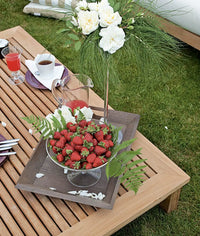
point(84, 145)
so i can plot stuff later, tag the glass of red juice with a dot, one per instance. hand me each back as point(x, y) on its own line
point(12, 55)
point(73, 94)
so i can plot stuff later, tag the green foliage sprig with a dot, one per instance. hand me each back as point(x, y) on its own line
point(43, 126)
point(121, 165)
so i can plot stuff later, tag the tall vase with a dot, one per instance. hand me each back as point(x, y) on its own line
point(106, 93)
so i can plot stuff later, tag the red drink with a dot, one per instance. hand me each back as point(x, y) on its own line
point(76, 103)
point(13, 61)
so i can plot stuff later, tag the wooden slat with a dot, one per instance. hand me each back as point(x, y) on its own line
point(88, 209)
point(30, 101)
point(25, 207)
point(10, 222)
point(4, 231)
point(53, 212)
point(18, 124)
point(17, 214)
point(76, 210)
point(69, 216)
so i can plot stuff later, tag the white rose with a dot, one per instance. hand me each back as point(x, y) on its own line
point(81, 5)
point(88, 21)
point(66, 113)
point(112, 39)
point(93, 6)
point(103, 3)
point(108, 17)
point(87, 112)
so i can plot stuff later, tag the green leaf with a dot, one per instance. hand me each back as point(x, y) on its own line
point(77, 46)
point(114, 168)
point(61, 31)
point(73, 36)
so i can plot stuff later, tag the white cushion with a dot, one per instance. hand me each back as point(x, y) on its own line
point(185, 13)
point(46, 11)
point(54, 3)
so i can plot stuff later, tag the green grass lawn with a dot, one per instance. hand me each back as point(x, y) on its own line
point(171, 100)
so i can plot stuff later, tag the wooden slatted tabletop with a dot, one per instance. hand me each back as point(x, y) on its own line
point(26, 213)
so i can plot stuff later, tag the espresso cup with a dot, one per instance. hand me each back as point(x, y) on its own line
point(45, 64)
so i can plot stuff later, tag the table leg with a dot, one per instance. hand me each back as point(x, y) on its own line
point(171, 202)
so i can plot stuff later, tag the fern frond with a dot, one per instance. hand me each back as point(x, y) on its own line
point(123, 167)
point(40, 124)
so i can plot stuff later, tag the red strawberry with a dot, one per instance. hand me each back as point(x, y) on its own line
point(75, 156)
point(73, 128)
point(69, 136)
point(72, 164)
point(64, 132)
point(69, 124)
point(91, 157)
point(68, 162)
point(99, 135)
point(82, 123)
point(99, 150)
point(97, 162)
point(77, 140)
point(108, 136)
point(111, 143)
point(84, 164)
point(104, 160)
point(91, 122)
point(84, 152)
point(91, 149)
point(104, 126)
point(78, 147)
point(69, 148)
point(88, 137)
point(60, 157)
point(104, 143)
point(108, 154)
point(61, 142)
point(88, 166)
point(57, 135)
point(54, 149)
point(52, 142)
point(95, 142)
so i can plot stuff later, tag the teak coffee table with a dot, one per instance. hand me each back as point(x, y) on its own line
point(28, 213)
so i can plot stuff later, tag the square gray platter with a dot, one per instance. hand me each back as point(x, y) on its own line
point(54, 176)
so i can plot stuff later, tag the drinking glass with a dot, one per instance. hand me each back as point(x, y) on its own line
point(12, 55)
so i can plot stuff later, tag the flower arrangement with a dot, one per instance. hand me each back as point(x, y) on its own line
point(77, 142)
point(106, 31)
point(100, 15)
